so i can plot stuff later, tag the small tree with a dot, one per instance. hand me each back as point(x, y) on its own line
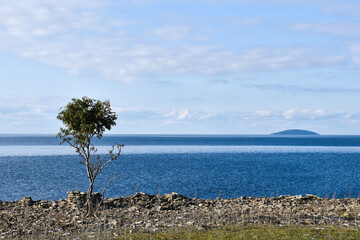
point(84, 119)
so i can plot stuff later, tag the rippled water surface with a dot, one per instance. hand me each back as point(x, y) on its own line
point(210, 166)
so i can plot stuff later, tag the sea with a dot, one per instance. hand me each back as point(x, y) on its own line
point(202, 166)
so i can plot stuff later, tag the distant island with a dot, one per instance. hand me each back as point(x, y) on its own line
point(295, 132)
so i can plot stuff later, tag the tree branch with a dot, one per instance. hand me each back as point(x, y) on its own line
point(110, 180)
point(113, 158)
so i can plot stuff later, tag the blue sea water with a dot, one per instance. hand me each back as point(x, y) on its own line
point(209, 166)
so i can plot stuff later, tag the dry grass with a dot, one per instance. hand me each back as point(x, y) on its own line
point(269, 232)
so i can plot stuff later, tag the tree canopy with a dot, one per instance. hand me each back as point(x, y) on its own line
point(83, 119)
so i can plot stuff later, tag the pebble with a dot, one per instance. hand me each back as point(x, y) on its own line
point(154, 212)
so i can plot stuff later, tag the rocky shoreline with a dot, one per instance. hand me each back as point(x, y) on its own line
point(155, 212)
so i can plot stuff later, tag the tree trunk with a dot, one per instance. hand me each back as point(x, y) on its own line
point(89, 202)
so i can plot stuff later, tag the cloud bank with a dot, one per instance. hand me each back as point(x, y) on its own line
point(82, 37)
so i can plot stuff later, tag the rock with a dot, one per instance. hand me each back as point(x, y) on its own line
point(170, 210)
point(190, 223)
point(311, 197)
point(171, 197)
point(78, 199)
point(133, 209)
point(26, 201)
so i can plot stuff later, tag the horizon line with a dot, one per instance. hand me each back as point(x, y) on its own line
point(185, 134)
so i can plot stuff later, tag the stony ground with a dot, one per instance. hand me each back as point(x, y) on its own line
point(152, 212)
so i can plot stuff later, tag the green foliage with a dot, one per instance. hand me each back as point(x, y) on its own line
point(85, 118)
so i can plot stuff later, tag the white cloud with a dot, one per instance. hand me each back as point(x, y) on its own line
point(42, 18)
point(184, 114)
point(25, 112)
point(187, 114)
point(343, 29)
point(262, 113)
point(347, 116)
point(174, 116)
point(298, 114)
point(328, 6)
point(207, 115)
point(354, 48)
point(171, 32)
point(341, 7)
point(177, 116)
point(131, 113)
point(170, 114)
point(287, 88)
point(77, 35)
point(246, 21)
point(127, 109)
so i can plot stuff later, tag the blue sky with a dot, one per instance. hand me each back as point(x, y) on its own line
point(182, 67)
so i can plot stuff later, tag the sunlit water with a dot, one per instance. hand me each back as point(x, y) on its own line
point(209, 166)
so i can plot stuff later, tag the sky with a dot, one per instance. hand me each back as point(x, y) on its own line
point(181, 66)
